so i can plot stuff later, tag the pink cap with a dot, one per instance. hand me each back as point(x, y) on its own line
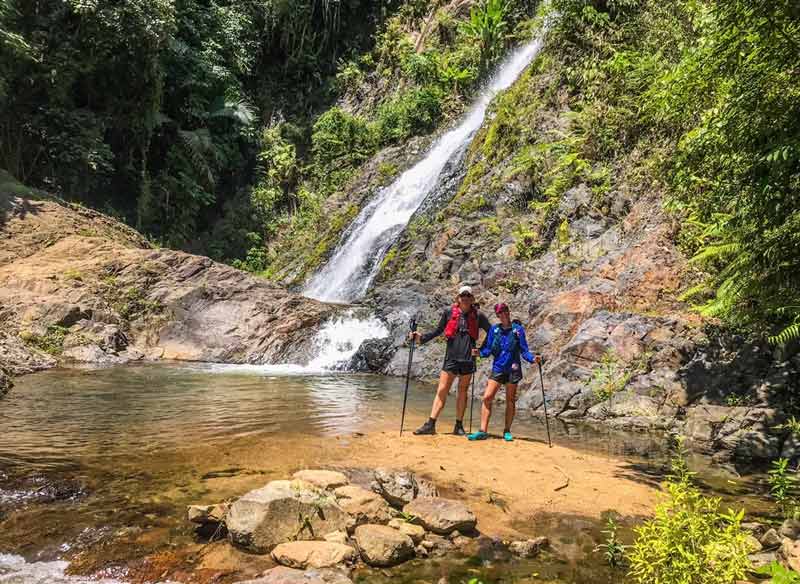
point(498, 308)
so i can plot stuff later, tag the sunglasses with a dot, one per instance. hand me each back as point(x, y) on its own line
point(465, 295)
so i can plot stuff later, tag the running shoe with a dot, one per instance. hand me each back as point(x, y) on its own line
point(479, 435)
point(507, 436)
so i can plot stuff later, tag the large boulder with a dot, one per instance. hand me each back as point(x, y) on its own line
point(324, 479)
point(383, 546)
point(400, 488)
point(283, 511)
point(440, 515)
point(363, 505)
point(790, 553)
point(312, 554)
point(284, 575)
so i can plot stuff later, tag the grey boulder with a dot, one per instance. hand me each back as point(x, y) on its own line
point(283, 511)
point(440, 515)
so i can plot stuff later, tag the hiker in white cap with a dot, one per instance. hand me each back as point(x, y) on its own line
point(461, 324)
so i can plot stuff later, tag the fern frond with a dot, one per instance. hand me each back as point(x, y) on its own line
point(716, 252)
point(787, 335)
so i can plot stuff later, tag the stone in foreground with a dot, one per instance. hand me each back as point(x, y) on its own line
point(440, 515)
point(529, 548)
point(283, 511)
point(324, 479)
point(363, 505)
point(312, 554)
point(790, 552)
point(382, 546)
point(400, 488)
point(415, 532)
point(284, 575)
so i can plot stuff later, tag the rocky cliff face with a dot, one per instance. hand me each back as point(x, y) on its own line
point(76, 286)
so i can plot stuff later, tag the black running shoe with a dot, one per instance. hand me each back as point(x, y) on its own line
point(459, 429)
point(426, 429)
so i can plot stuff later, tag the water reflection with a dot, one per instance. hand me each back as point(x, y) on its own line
point(61, 415)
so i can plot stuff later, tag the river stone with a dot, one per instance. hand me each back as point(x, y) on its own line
point(400, 488)
point(205, 514)
point(529, 548)
point(324, 479)
point(284, 575)
point(415, 532)
point(440, 515)
point(790, 552)
point(771, 539)
point(312, 554)
point(283, 511)
point(753, 545)
point(383, 546)
point(790, 528)
point(363, 505)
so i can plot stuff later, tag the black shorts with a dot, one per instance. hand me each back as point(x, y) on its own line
point(511, 377)
point(459, 367)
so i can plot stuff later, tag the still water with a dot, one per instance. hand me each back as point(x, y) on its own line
point(96, 466)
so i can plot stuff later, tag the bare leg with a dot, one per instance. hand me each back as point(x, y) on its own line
point(463, 394)
point(445, 383)
point(511, 404)
point(486, 407)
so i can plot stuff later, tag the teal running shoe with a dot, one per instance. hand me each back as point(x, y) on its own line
point(479, 435)
point(507, 436)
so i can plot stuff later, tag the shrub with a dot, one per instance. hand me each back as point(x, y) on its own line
point(689, 540)
point(340, 138)
point(781, 483)
point(409, 114)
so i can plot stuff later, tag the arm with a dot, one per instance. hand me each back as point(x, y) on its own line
point(488, 341)
point(525, 352)
point(437, 331)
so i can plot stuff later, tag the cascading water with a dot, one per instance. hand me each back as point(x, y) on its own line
point(335, 344)
point(356, 261)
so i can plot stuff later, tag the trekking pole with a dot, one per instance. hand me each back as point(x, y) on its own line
point(472, 395)
point(413, 327)
point(544, 404)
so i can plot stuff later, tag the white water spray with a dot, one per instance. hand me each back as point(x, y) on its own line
point(356, 261)
point(335, 344)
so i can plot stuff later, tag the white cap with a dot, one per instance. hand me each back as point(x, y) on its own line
point(465, 290)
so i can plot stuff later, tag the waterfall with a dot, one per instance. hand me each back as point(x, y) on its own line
point(356, 260)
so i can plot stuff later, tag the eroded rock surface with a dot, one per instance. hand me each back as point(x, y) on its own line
point(383, 546)
point(78, 286)
point(324, 479)
point(283, 511)
point(440, 515)
point(363, 505)
point(312, 554)
point(284, 575)
point(401, 487)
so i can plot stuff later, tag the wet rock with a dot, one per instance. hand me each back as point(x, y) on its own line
point(363, 505)
point(790, 553)
point(528, 548)
point(771, 539)
point(312, 554)
point(324, 479)
point(790, 528)
point(284, 575)
point(400, 488)
point(440, 515)
point(205, 514)
point(373, 355)
point(415, 532)
point(437, 545)
point(283, 511)
point(383, 546)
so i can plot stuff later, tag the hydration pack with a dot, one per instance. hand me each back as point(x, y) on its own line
point(455, 315)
